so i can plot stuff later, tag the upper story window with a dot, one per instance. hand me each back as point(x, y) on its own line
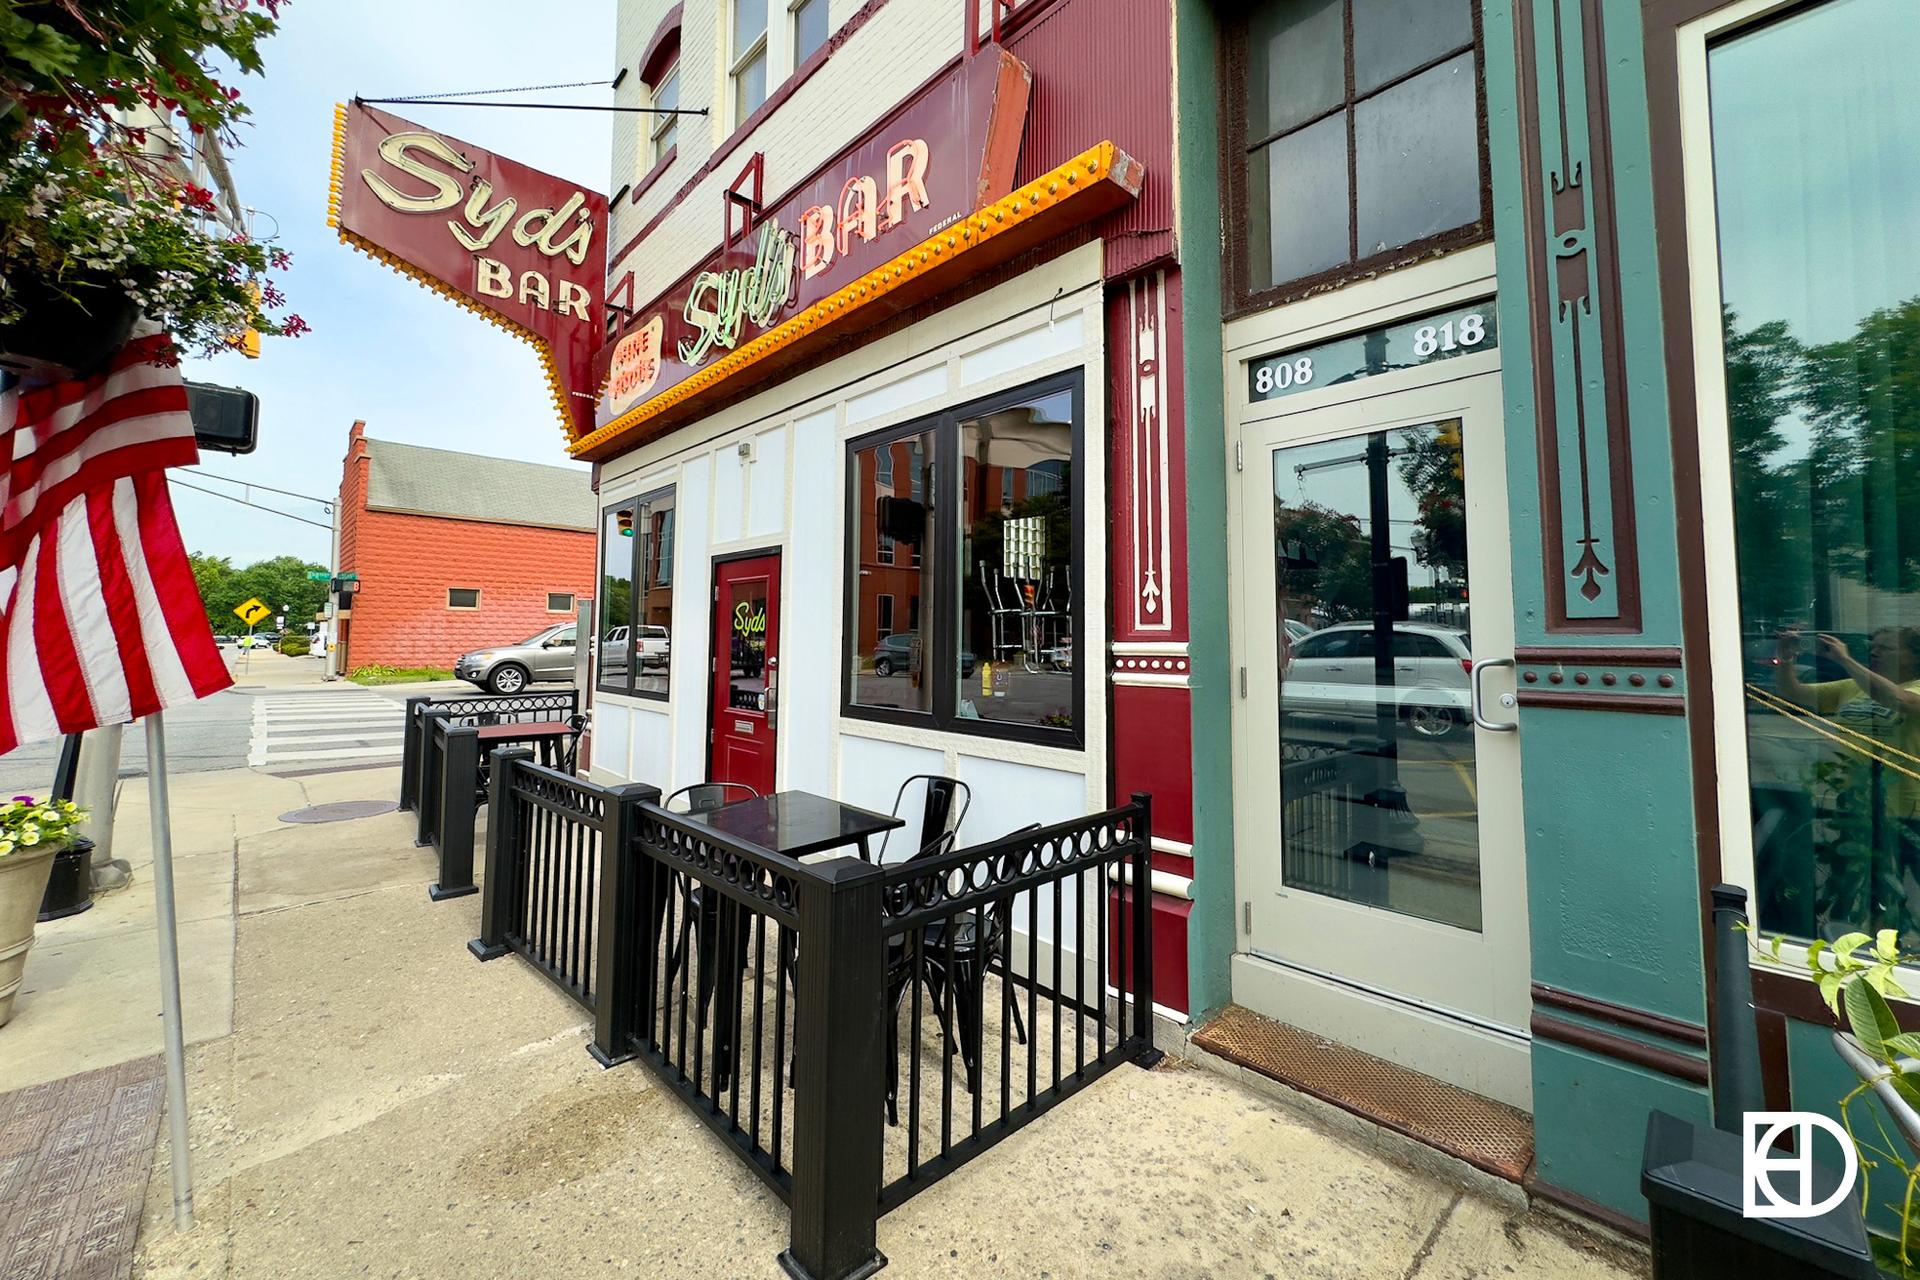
point(768, 41)
point(663, 133)
point(1364, 139)
point(809, 27)
point(750, 55)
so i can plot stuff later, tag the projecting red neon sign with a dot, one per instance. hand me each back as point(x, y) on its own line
point(495, 235)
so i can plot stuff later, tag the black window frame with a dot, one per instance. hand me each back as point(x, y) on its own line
point(942, 644)
point(631, 689)
point(1235, 152)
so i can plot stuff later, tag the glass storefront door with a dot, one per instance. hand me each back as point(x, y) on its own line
point(1379, 835)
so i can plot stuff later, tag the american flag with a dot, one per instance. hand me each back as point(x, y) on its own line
point(100, 620)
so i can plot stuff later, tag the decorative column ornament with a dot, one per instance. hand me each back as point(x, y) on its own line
point(1590, 552)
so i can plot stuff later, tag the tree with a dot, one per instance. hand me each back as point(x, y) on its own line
point(280, 583)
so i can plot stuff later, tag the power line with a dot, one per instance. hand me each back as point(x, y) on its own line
point(484, 93)
point(540, 106)
point(248, 484)
point(214, 493)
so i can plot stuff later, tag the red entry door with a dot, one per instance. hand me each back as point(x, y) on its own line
point(746, 666)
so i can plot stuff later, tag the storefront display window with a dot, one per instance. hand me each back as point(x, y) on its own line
point(890, 483)
point(993, 648)
point(636, 596)
point(1364, 138)
point(1816, 161)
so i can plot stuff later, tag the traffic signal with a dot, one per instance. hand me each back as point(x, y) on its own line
point(225, 419)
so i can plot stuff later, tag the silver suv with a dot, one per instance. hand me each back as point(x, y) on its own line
point(511, 668)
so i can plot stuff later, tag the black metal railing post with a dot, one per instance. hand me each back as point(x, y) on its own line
point(410, 752)
point(1143, 931)
point(459, 809)
point(626, 947)
point(503, 856)
point(839, 1040)
point(426, 780)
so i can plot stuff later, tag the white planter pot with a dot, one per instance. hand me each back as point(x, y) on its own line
point(23, 882)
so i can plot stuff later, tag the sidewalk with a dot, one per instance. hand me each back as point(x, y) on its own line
point(266, 669)
point(367, 1099)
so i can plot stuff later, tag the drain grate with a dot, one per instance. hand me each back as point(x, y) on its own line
point(341, 811)
point(1486, 1134)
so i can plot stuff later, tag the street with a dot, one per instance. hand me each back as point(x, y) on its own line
point(280, 717)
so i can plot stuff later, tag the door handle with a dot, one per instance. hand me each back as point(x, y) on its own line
point(1479, 700)
point(773, 690)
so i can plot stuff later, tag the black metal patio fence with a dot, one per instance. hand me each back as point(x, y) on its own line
point(416, 741)
point(546, 833)
point(768, 994)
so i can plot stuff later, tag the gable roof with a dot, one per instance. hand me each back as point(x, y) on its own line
point(466, 486)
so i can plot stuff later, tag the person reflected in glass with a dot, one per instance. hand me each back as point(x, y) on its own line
point(1872, 712)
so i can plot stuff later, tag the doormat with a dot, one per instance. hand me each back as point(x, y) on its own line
point(341, 811)
point(75, 1155)
point(1488, 1135)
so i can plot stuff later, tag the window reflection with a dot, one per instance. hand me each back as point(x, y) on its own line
point(1377, 769)
point(652, 641)
point(892, 488)
point(615, 606)
point(1017, 618)
point(1816, 154)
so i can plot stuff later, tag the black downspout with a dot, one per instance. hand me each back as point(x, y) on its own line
point(1737, 1083)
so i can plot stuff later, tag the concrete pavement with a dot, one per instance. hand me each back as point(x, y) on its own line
point(369, 1100)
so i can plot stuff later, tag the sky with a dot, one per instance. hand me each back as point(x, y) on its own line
point(412, 365)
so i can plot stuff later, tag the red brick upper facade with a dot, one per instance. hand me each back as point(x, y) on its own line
point(409, 562)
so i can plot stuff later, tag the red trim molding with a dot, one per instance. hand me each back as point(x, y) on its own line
point(1620, 1015)
point(1605, 1044)
point(664, 46)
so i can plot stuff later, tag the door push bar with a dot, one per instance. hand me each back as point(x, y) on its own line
point(1479, 699)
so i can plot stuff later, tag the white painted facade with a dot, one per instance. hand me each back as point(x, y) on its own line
point(790, 496)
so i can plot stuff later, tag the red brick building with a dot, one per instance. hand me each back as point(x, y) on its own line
point(455, 551)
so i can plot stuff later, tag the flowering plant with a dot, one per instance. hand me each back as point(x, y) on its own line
point(26, 823)
point(102, 107)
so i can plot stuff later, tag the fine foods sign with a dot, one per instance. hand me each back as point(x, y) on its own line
point(939, 158)
point(525, 247)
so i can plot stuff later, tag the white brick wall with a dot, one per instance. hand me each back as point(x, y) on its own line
point(898, 49)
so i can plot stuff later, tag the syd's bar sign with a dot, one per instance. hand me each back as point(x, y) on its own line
point(1409, 344)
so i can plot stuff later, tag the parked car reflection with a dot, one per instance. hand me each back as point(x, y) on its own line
point(1333, 672)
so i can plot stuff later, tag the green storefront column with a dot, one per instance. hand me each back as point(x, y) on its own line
point(1613, 886)
point(1210, 928)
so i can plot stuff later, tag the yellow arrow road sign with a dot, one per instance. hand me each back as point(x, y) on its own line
point(253, 612)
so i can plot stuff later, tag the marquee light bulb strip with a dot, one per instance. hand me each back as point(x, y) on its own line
point(555, 386)
point(1081, 174)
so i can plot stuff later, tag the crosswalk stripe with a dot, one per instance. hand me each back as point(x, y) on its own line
point(316, 728)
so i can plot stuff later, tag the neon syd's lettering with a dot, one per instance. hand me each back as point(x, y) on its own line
point(720, 300)
point(561, 231)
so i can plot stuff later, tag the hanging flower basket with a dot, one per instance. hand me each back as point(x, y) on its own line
point(67, 330)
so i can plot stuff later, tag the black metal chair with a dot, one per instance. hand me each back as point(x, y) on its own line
point(957, 993)
point(700, 925)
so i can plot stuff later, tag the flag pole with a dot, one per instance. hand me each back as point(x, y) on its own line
point(161, 818)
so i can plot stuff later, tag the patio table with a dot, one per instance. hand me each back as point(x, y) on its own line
point(450, 803)
point(799, 823)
